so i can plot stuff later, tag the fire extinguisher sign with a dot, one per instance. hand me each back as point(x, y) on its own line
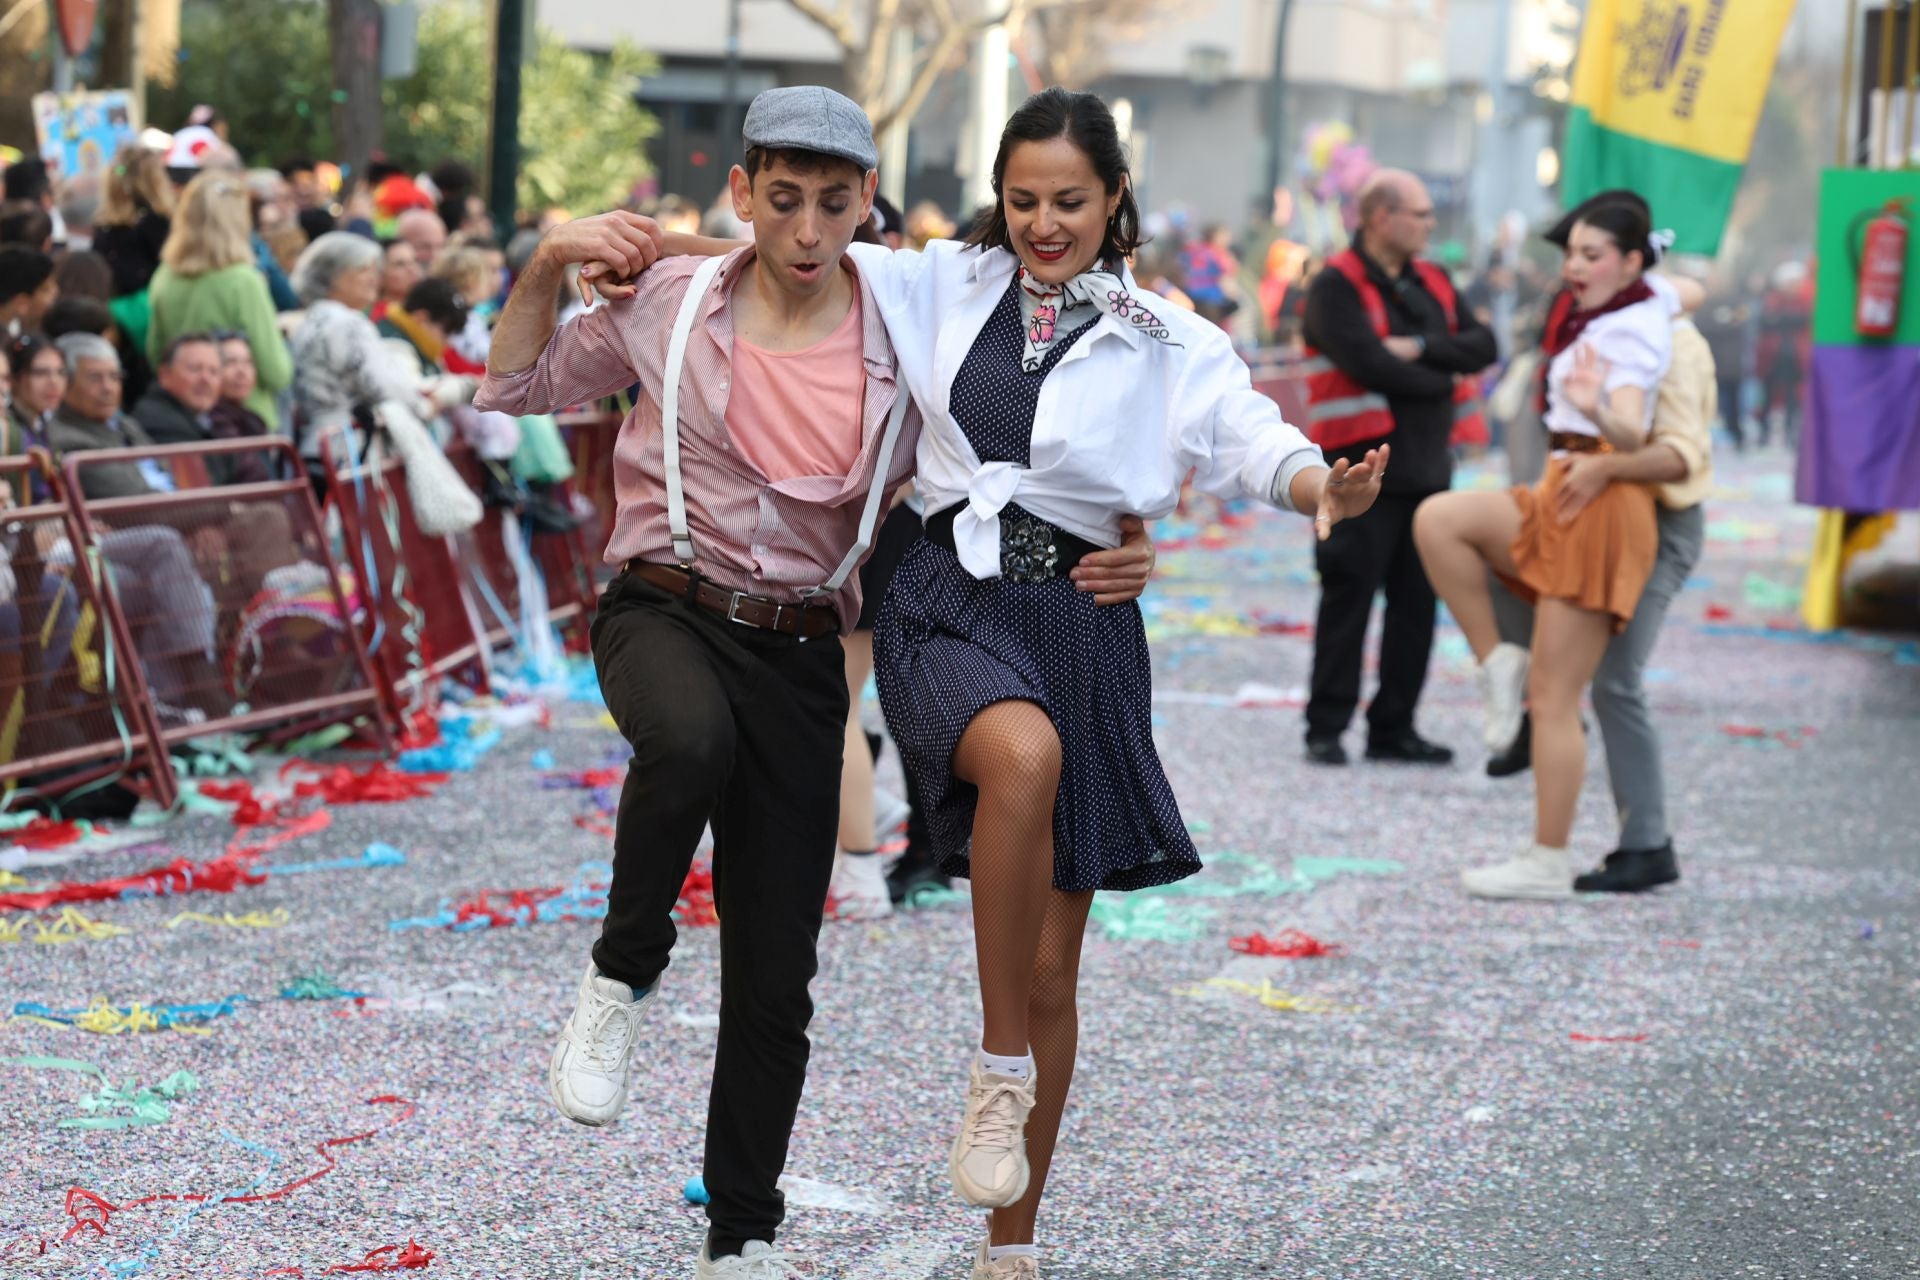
point(1864, 259)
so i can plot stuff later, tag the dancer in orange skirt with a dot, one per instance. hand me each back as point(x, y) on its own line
point(1585, 564)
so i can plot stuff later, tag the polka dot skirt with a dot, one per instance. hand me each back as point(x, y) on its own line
point(948, 645)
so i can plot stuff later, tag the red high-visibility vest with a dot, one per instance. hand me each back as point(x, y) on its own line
point(1341, 411)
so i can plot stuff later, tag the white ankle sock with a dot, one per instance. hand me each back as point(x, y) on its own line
point(995, 1252)
point(1019, 1068)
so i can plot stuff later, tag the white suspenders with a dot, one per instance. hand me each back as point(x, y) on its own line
point(697, 289)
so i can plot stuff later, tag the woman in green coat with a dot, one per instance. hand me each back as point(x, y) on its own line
point(207, 283)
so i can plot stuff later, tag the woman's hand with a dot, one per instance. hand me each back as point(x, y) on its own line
point(1119, 575)
point(1585, 385)
point(1347, 490)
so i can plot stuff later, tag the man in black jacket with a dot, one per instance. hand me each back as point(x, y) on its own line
point(177, 409)
point(1390, 345)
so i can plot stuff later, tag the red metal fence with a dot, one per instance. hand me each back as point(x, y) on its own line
point(73, 703)
point(231, 595)
point(423, 627)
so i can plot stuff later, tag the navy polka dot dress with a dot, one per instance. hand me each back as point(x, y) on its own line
point(948, 645)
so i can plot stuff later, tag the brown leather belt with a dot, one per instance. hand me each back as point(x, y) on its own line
point(1574, 442)
point(807, 621)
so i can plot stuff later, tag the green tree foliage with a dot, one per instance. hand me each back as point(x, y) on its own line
point(263, 64)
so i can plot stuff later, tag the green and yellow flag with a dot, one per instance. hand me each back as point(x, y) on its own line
point(1666, 94)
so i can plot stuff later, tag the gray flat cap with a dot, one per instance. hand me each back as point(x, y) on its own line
point(811, 118)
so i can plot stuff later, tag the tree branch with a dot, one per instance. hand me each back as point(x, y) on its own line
point(838, 25)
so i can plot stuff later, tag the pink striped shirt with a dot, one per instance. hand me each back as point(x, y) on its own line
point(773, 538)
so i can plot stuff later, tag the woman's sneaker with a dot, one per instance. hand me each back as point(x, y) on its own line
point(1019, 1267)
point(989, 1161)
point(1540, 872)
point(859, 887)
point(1503, 688)
point(587, 1073)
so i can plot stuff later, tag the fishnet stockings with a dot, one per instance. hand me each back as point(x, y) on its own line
point(1027, 934)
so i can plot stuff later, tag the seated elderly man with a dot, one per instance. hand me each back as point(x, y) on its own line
point(153, 570)
point(181, 406)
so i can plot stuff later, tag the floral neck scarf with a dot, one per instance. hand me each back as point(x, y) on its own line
point(1055, 311)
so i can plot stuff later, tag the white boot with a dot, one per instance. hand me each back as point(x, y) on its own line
point(1540, 872)
point(1503, 688)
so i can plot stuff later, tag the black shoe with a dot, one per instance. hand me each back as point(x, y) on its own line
point(1518, 757)
point(1408, 747)
point(914, 871)
point(1631, 871)
point(1325, 751)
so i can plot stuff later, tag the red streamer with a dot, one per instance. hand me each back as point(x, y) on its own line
point(91, 1211)
point(378, 783)
point(1288, 944)
point(1584, 1038)
point(393, 1257)
point(231, 870)
point(695, 908)
point(44, 833)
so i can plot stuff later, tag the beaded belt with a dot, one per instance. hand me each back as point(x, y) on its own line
point(1031, 550)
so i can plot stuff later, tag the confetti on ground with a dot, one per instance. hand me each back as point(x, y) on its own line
point(1271, 997)
point(1288, 944)
point(130, 1107)
point(69, 926)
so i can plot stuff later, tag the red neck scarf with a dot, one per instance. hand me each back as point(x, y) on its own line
point(1566, 322)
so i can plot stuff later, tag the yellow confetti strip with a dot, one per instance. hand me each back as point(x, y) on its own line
point(251, 920)
point(12, 880)
point(68, 926)
point(102, 1019)
point(1272, 997)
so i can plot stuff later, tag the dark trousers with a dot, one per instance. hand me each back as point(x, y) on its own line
point(742, 727)
point(1362, 557)
point(1730, 397)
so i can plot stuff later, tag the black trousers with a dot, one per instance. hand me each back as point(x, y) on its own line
point(1362, 557)
point(1730, 411)
point(745, 728)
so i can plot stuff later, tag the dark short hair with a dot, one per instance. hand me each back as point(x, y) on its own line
point(798, 159)
point(23, 350)
point(77, 313)
point(296, 164)
point(1562, 230)
point(1627, 225)
point(439, 301)
point(1083, 120)
point(28, 180)
point(316, 223)
point(83, 273)
point(25, 222)
point(23, 268)
point(173, 348)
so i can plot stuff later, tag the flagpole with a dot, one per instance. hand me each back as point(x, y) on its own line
point(1884, 151)
point(1848, 52)
point(1906, 87)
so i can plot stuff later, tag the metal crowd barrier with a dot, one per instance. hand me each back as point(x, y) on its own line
point(590, 439)
point(74, 708)
point(424, 627)
point(489, 564)
point(231, 595)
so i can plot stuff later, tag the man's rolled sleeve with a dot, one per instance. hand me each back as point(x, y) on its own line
point(585, 359)
point(1683, 417)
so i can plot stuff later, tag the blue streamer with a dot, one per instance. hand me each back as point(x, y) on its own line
point(376, 855)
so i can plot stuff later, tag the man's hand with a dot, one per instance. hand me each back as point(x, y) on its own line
point(1121, 574)
point(1588, 475)
point(610, 248)
point(1348, 491)
point(1408, 349)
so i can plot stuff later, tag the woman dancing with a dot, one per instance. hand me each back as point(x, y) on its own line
point(1058, 399)
point(1585, 566)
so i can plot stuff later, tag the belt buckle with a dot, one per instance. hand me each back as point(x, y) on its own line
point(733, 608)
point(1027, 550)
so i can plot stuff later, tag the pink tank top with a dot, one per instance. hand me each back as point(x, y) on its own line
point(799, 413)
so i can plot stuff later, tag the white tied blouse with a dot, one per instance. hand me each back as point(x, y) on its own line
point(1120, 420)
point(1637, 344)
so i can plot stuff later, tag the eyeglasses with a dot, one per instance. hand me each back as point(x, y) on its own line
point(100, 377)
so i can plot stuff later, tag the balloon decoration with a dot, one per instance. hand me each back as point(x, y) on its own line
point(1331, 168)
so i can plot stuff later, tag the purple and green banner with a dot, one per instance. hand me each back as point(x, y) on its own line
point(1860, 445)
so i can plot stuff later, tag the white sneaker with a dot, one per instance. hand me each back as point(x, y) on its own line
point(989, 1160)
point(1021, 1267)
point(859, 888)
point(890, 813)
point(1540, 872)
point(587, 1074)
point(757, 1260)
point(1503, 688)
